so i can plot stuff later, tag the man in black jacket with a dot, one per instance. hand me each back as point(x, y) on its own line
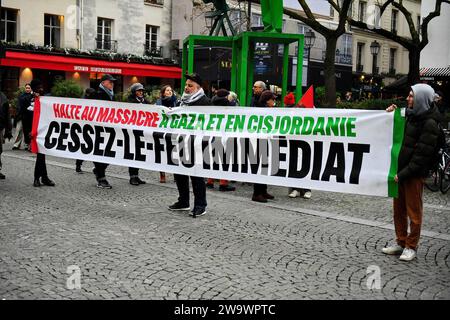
point(414, 161)
point(136, 96)
point(105, 92)
point(193, 96)
point(5, 126)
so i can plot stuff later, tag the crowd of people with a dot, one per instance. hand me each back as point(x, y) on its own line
point(421, 131)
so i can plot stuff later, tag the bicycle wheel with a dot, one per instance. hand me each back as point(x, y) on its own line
point(445, 178)
point(432, 181)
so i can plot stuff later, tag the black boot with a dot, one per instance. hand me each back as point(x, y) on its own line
point(36, 183)
point(46, 181)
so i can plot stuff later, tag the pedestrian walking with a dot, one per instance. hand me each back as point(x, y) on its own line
point(193, 95)
point(5, 126)
point(19, 138)
point(414, 161)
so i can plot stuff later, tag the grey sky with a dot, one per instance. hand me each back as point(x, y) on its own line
point(317, 6)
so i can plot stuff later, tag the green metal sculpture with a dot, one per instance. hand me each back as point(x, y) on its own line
point(272, 15)
point(220, 17)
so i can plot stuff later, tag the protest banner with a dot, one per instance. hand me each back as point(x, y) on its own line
point(351, 151)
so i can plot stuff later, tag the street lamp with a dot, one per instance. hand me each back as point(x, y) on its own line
point(310, 38)
point(374, 49)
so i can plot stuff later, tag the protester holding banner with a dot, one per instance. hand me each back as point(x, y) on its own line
point(289, 102)
point(136, 96)
point(258, 88)
point(105, 92)
point(414, 161)
point(168, 99)
point(89, 93)
point(193, 96)
point(220, 99)
point(266, 100)
point(5, 126)
point(40, 168)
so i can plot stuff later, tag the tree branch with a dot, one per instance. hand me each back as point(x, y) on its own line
point(427, 19)
point(405, 42)
point(407, 14)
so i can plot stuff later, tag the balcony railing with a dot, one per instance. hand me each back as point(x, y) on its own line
point(110, 45)
point(153, 52)
point(160, 2)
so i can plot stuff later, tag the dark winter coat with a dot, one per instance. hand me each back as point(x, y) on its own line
point(5, 119)
point(419, 143)
point(133, 99)
point(220, 101)
point(168, 102)
point(24, 102)
point(255, 101)
point(102, 95)
point(203, 101)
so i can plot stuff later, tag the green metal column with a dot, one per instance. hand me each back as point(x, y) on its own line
point(243, 69)
point(185, 58)
point(298, 91)
point(234, 67)
point(250, 70)
point(285, 72)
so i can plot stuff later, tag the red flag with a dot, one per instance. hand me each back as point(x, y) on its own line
point(307, 100)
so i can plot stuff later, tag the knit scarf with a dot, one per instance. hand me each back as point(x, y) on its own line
point(187, 99)
point(109, 92)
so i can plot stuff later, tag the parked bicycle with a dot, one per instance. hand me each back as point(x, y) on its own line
point(439, 178)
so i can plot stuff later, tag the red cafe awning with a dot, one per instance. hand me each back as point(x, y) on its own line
point(63, 63)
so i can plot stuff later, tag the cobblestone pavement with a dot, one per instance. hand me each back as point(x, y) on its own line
point(129, 246)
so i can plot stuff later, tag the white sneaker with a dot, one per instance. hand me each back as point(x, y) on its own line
point(307, 195)
point(294, 194)
point(408, 254)
point(393, 249)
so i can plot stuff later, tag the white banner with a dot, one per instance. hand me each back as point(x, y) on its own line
point(351, 151)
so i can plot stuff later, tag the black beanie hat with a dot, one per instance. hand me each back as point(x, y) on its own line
point(35, 83)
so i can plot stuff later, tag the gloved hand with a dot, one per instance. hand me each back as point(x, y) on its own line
point(30, 108)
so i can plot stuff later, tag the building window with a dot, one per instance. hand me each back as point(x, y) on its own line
point(52, 30)
point(160, 2)
point(346, 45)
point(359, 56)
point(362, 11)
point(302, 28)
point(151, 38)
point(394, 21)
point(392, 54)
point(256, 20)
point(104, 30)
point(8, 27)
point(238, 20)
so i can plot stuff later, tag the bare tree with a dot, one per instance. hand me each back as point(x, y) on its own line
point(413, 44)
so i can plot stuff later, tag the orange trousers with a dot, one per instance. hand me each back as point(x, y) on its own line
point(409, 204)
